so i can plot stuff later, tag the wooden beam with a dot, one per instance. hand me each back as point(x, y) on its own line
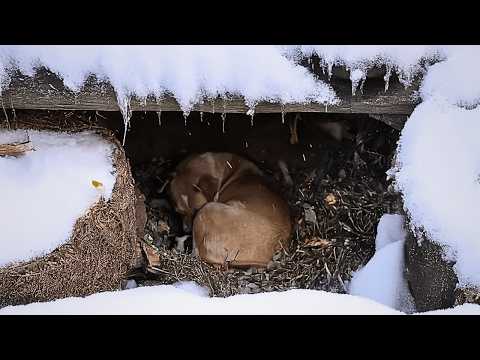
point(46, 91)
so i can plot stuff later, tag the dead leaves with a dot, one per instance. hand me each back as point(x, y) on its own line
point(316, 242)
point(330, 199)
point(152, 256)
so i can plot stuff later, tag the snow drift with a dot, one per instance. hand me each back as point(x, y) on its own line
point(45, 191)
point(189, 299)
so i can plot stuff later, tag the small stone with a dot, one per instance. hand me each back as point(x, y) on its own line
point(252, 286)
point(310, 216)
point(342, 174)
point(148, 238)
point(277, 256)
point(131, 284)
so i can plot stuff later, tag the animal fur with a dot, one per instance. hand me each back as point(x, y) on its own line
point(237, 219)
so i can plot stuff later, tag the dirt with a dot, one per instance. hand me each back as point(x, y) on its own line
point(336, 201)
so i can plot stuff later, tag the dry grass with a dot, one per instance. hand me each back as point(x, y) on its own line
point(101, 250)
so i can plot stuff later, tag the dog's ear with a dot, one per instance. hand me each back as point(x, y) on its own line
point(209, 186)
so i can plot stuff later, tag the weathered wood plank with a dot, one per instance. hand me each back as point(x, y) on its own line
point(46, 91)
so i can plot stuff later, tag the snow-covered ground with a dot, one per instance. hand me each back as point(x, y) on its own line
point(45, 191)
point(438, 168)
point(189, 299)
point(382, 278)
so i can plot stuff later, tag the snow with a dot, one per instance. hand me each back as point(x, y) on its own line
point(465, 309)
point(438, 172)
point(45, 191)
point(191, 299)
point(168, 299)
point(382, 278)
point(457, 79)
point(404, 59)
point(188, 72)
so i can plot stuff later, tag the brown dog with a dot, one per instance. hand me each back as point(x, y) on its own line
point(237, 219)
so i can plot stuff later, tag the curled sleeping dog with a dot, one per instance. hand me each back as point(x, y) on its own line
point(235, 218)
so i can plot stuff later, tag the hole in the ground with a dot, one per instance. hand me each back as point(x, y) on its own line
point(342, 182)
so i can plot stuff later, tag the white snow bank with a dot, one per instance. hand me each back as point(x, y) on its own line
point(382, 278)
point(438, 173)
point(457, 79)
point(191, 299)
point(45, 191)
point(167, 299)
point(188, 72)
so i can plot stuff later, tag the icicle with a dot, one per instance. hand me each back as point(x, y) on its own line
point(213, 106)
point(362, 82)
point(386, 78)
point(330, 70)
point(13, 110)
point(5, 111)
point(185, 116)
point(201, 116)
point(246, 144)
point(356, 76)
point(326, 107)
point(159, 115)
point(224, 115)
point(224, 118)
point(282, 105)
point(304, 158)
point(124, 104)
point(251, 112)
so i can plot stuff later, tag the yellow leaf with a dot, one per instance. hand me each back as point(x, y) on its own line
point(97, 184)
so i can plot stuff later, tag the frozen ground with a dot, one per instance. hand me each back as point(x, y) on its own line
point(45, 191)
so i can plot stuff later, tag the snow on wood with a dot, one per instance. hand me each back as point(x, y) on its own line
point(47, 91)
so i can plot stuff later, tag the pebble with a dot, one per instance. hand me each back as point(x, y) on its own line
point(148, 238)
point(310, 215)
point(131, 284)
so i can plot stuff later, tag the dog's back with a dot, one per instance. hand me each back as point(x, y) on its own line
point(245, 228)
point(239, 220)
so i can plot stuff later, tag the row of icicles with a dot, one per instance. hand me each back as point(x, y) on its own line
point(126, 112)
point(357, 76)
